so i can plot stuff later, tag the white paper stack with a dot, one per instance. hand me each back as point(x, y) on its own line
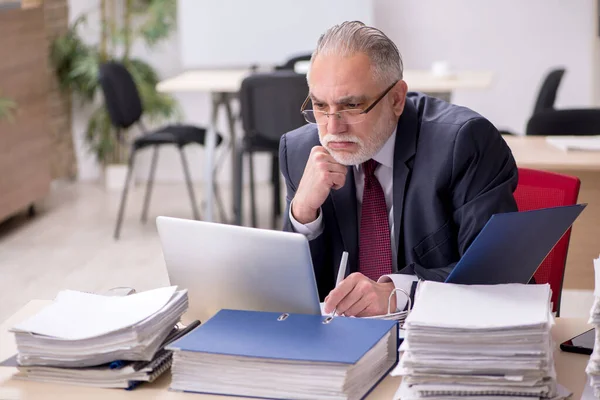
point(83, 329)
point(478, 342)
point(123, 375)
point(593, 367)
point(93, 340)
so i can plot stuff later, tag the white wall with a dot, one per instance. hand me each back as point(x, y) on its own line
point(518, 40)
point(261, 32)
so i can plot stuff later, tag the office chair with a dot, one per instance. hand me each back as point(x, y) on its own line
point(290, 64)
point(270, 106)
point(580, 122)
point(547, 93)
point(124, 107)
point(541, 189)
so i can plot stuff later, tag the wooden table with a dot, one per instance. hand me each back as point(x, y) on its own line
point(534, 152)
point(224, 84)
point(570, 369)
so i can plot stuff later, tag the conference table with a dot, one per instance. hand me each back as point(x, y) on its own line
point(570, 369)
point(224, 84)
point(535, 152)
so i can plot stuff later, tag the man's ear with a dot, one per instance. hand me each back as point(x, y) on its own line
point(398, 95)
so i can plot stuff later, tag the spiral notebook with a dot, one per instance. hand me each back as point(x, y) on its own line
point(124, 375)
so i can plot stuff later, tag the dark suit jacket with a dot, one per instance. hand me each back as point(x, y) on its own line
point(452, 171)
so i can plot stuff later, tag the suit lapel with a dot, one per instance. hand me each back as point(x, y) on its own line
point(344, 203)
point(404, 150)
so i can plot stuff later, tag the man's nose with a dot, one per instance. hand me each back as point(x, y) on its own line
point(335, 124)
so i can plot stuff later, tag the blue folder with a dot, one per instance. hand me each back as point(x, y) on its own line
point(511, 246)
point(299, 337)
point(307, 339)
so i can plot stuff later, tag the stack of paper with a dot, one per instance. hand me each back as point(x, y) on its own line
point(118, 374)
point(593, 367)
point(478, 341)
point(93, 340)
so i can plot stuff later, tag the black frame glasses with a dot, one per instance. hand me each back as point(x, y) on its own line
point(365, 111)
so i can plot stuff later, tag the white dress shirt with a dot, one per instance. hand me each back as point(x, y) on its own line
point(385, 175)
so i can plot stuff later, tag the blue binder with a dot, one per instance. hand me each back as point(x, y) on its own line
point(299, 337)
point(290, 337)
point(511, 246)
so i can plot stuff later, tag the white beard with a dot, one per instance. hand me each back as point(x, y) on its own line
point(366, 148)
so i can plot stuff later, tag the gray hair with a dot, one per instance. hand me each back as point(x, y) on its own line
point(353, 37)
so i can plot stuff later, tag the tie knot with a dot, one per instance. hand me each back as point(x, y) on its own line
point(369, 166)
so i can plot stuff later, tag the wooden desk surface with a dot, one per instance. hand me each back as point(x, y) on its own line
point(570, 369)
point(230, 81)
point(535, 152)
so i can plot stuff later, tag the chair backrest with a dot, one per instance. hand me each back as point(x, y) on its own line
point(270, 103)
point(290, 64)
point(121, 96)
point(542, 189)
point(547, 94)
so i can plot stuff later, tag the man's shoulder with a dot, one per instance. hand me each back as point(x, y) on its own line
point(295, 148)
point(306, 136)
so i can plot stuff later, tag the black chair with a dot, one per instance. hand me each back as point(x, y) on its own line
point(124, 107)
point(290, 64)
point(549, 121)
point(579, 122)
point(547, 93)
point(270, 106)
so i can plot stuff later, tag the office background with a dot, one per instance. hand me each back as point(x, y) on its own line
point(69, 243)
point(518, 41)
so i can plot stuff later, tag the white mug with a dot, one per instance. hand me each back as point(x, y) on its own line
point(441, 68)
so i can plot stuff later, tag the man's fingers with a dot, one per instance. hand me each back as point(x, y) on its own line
point(361, 292)
point(357, 308)
point(337, 180)
point(338, 294)
point(335, 167)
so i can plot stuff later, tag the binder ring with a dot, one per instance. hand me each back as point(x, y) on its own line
point(283, 317)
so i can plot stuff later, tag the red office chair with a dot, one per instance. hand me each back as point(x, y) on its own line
point(541, 189)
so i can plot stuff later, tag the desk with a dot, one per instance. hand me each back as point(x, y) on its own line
point(223, 86)
point(570, 369)
point(534, 152)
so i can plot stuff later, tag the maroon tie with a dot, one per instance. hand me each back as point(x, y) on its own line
point(374, 248)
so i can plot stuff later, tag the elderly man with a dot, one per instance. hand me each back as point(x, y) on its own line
point(401, 181)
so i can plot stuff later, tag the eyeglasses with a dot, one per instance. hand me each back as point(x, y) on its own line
point(348, 117)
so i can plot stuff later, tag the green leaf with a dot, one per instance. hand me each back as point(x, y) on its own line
point(7, 108)
point(160, 19)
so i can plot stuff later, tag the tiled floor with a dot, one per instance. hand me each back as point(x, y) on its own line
point(69, 244)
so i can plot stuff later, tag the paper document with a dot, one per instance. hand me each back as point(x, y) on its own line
point(584, 143)
point(76, 315)
point(468, 306)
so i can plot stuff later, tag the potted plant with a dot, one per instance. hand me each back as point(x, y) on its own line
point(77, 63)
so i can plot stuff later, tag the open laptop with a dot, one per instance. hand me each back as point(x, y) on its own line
point(511, 246)
point(226, 266)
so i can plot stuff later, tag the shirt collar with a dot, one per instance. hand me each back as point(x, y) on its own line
point(385, 156)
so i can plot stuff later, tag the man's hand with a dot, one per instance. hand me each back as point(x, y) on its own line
point(359, 296)
point(322, 173)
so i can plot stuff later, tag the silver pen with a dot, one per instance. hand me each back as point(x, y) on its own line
point(341, 273)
